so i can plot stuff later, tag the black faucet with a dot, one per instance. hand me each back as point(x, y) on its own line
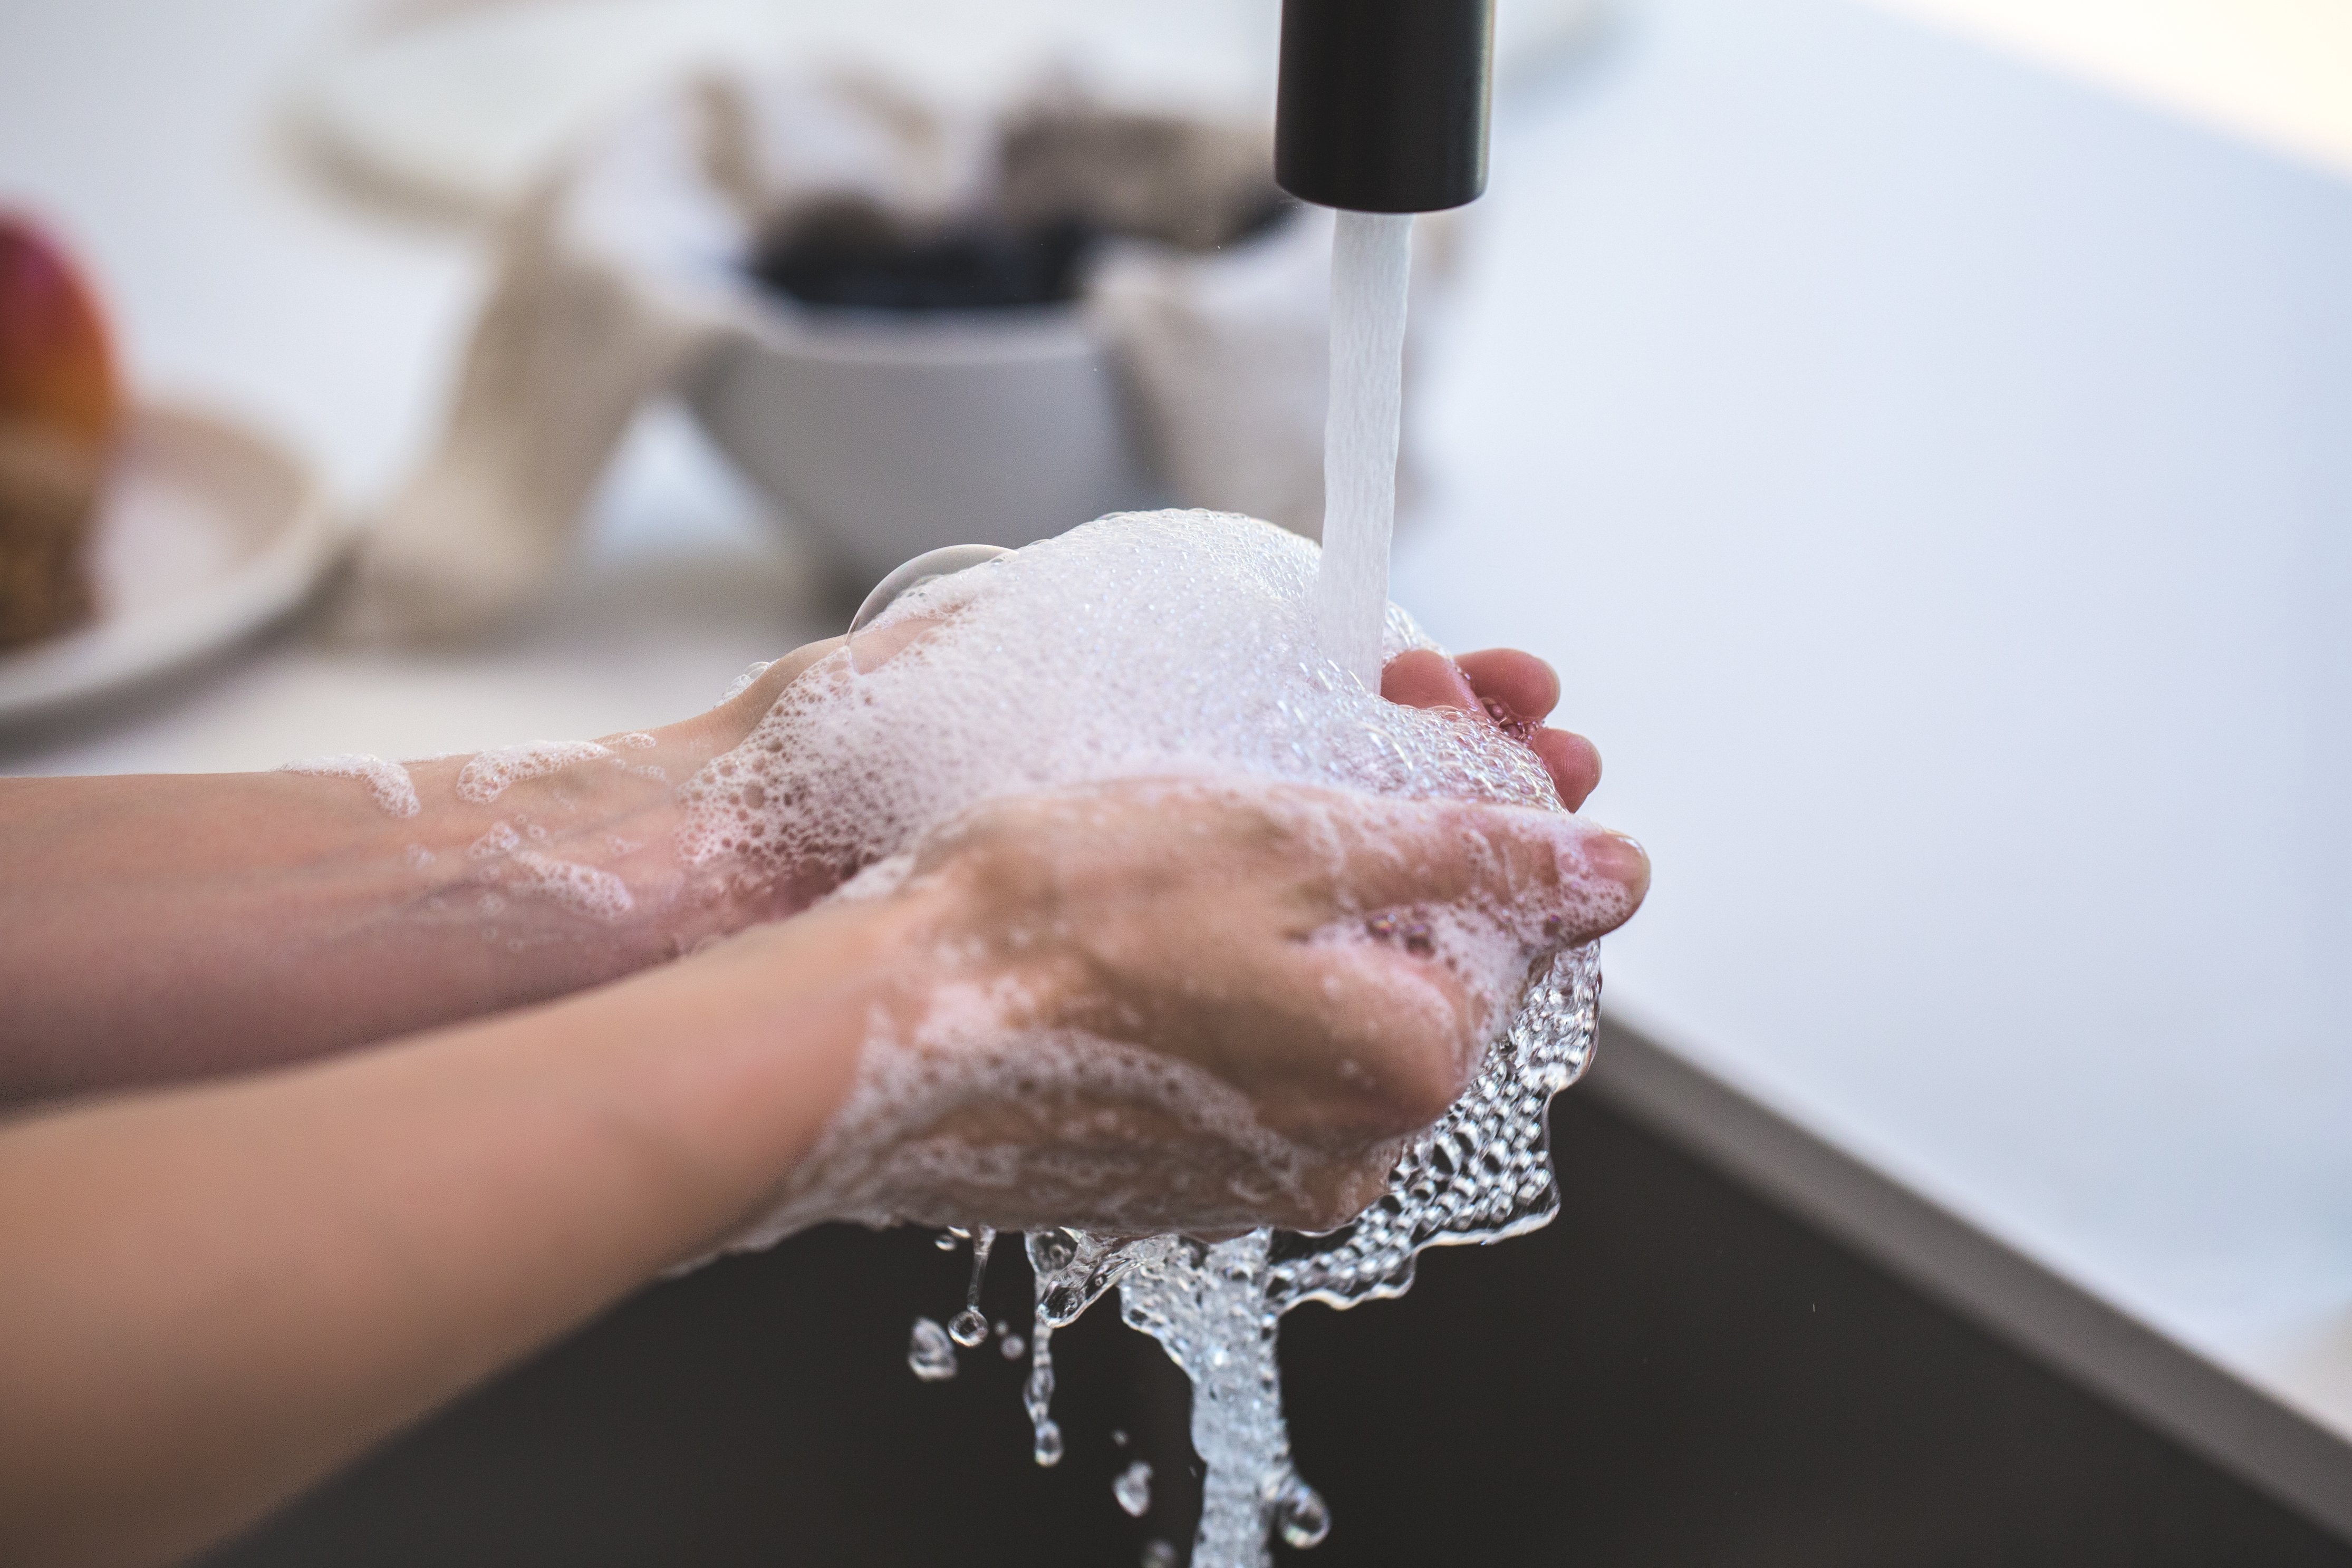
point(1381, 105)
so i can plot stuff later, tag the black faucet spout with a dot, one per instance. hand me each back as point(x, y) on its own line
point(1381, 104)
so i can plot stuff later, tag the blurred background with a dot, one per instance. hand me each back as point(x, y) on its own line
point(1919, 431)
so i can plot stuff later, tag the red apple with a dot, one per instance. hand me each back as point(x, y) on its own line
point(56, 364)
point(58, 402)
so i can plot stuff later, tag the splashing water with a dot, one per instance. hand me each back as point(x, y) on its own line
point(1483, 1172)
point(1037, 1395)
point(1370, 263)
point(854, 771)
point(969, 1328)
point(1032, 677)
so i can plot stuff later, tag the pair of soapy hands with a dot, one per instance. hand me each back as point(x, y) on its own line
point(556, 1115)
point(1185, 924)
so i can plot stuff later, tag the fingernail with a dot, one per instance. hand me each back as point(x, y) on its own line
point(1619, 858)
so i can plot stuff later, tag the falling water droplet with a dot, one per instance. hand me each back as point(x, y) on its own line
point(1300, 1514)
point(945, 1240)
point(968, 1327)
point(1015, 1347)
point(930, 1353)
point(1037, 1393)
point(1048, 1450)
point(1482, 1171)
point(1053, 1249)
point(1133, 1490)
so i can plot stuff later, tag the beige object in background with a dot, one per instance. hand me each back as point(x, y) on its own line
point(567, 348)
point(2276, 71)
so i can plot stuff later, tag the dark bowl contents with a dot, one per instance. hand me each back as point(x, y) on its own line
point(1069, 176)
point(850, 251)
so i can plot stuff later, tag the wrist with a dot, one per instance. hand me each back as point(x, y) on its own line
point(566, 859)
point(743, 1054)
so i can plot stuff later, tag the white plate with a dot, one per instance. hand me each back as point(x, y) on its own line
point(464, 111)
point(206, 533)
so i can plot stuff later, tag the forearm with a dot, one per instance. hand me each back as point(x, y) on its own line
point(170, 927)
point(217, 1294)
point(167, 927)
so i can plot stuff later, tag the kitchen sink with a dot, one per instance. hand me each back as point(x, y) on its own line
point(1679, 1371)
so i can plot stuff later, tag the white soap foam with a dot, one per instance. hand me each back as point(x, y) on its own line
point(499, 840)
point(582, 889)
point(742, 683)
point(1143, 644)
point(389, 782)
point(1181, 647)
point(491, 773)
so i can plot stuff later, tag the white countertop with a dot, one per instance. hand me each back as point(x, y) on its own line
point(1933, 480)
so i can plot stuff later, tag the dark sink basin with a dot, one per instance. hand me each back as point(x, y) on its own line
point(1675, 1373)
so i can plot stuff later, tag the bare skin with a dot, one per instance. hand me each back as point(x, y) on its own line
point(1342, 1048)
point(214, 1294)
point(171, 927)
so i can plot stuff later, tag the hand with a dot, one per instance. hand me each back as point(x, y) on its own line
point(1154, 1005)
point(1090, 905)
point(515, 861)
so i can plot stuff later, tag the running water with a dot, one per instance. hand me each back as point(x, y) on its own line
point(969, 1328)
point(1370, 263)
point(1483, 1172)
point(1040, 673)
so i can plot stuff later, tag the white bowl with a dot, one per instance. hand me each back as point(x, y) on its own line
point(887, 433)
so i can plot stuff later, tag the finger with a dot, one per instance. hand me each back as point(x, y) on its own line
point(1403, 1033)
point(868, 651)
point(878, 646)
point(1421, 677)
point(1570, 879)
point(1523, 685)
point(1573, 762)
point(748, 706)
